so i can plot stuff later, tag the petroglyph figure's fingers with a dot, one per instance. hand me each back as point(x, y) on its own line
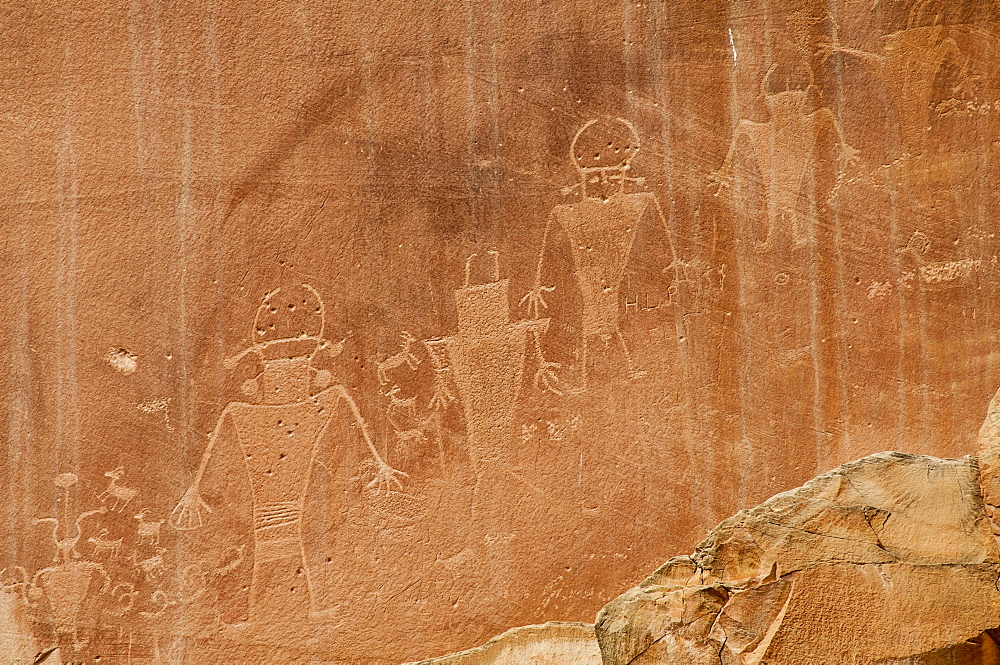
point(546, 378)
point(385, 476)
point(187, 514)
point(535, 301)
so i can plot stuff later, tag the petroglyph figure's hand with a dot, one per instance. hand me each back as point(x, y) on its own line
point(720, 180)
point(442, 393)
point(849, 154)
point(535, 301)
point(546, 378)
point(187, 515)
point(384, 478)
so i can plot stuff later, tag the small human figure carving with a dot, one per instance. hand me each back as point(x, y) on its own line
point(602, 228)
point(280, 431)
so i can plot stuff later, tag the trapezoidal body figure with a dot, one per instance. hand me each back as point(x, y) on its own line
point(601, 227)
point(280, 433)
point(487, 357)
point(784, 149)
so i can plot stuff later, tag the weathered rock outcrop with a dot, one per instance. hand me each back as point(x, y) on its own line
point(553, 643)
point(888, 559)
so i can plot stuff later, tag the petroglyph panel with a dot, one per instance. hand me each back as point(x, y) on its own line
point(364, 332)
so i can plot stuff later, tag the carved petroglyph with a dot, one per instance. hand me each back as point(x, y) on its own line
point(281, 433)
point(148, 529)
point(122, 360)
point(104, 545)
point(784, 149)
point(602, 228)
point(66, 545)
point(159, 405)
point(934, 274)
point(403, 357)
point(121, 495)
point(908, 64)
point(151, 567)
point(487, 357)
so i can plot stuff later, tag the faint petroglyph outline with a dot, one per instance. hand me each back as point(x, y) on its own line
point(907, 66)
point(157, 405)
point(782, 148)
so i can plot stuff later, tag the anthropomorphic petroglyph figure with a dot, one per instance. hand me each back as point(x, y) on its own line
point(908, 65)
point(122, 495)
point(602, 228)
point(487, 358)
point(281, 431)
point(784, 149)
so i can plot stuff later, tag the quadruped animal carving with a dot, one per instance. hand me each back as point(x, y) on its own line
point(121, 495)
point(602, 228)
point(148, 529)
point(280, 432)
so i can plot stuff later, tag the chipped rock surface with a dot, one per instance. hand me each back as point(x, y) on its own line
point(878, 561)
point(553, 643)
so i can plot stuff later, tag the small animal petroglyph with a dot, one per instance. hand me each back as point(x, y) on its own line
point(148, 529)
point(103, 545)
point(152, 567)
point(122, 495)
point(406, 406)
point(403, 357)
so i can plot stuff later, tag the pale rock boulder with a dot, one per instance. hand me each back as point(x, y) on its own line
point(888, 559)
point(553, 643)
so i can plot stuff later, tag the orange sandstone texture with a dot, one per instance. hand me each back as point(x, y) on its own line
point(362, 332)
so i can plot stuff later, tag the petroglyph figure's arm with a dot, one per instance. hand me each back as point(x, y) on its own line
point(533, 298)
point(385, 475)
point(546, 378)
point(722, 178)
point(828, 48)
point(675, 262)
point(848, 154)
point(187, 515)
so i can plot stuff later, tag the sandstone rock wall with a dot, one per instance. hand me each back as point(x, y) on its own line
point(360, 331)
